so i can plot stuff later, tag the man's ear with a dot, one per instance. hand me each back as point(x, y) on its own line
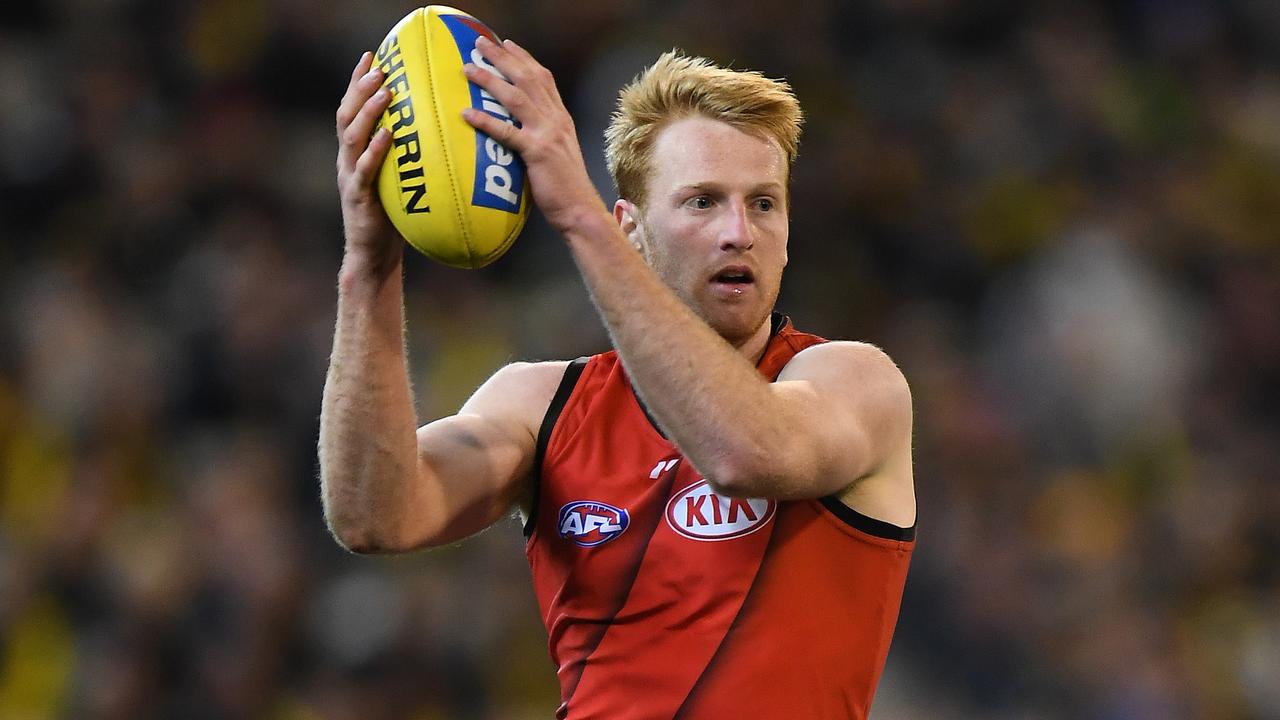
point(628, 217)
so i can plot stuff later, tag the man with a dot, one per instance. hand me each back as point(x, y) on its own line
point(720, 513)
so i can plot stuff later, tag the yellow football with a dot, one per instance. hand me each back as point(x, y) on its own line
point(452, 191)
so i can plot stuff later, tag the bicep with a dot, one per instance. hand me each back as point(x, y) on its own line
point(476, 464)
point(854, 407)
point(475, 468)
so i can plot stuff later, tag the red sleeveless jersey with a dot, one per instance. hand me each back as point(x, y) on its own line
point(664, 600)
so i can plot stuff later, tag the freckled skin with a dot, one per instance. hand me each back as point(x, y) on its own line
point(716, 196)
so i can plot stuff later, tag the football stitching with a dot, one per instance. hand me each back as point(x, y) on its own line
point(511, 237)
point(522, 215)
point(445, 147)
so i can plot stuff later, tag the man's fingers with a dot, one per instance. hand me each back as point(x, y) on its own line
point(511, 97)
point(354, 138)
point(371, 159)
point(515, 49)
point(362, 67)
point(357, 94)
point(521, 69)
point(361, 127)
point(505, 133)
point(494, 53)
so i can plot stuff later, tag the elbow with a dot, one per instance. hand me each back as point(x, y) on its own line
point(358, 522)
point(354, 537)
point(371, 547)
point(366, 540)
point(744, 475)
point(357, 541)
point(732, 487)
point(359, 533)
point(777, 473)
point(355, 544)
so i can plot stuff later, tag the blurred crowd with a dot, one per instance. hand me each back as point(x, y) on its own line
point(1061, 219)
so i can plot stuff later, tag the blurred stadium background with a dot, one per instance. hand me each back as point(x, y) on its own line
point(1062, 219)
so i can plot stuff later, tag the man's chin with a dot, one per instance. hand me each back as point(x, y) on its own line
point(736, 325)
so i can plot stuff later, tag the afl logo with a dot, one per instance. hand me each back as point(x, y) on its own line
point(698, 513)
point(589, 523)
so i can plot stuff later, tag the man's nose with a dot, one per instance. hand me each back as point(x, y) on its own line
point(736, 232)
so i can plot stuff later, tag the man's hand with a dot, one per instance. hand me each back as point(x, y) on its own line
point(546, 140)
point(370, 237)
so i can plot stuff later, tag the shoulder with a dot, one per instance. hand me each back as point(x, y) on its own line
point(866, 394)
point(522, 389)
point(529, 376)
point(846, 359)
point(861, 374)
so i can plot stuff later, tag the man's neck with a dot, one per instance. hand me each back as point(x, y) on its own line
point(754, 346)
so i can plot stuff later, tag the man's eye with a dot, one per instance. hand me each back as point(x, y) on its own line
point(764, 204)
point(702, 202)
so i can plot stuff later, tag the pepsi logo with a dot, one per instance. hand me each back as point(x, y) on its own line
point(699, 514)
point(589, 523)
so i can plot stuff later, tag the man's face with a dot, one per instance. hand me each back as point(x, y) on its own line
point(714, 225)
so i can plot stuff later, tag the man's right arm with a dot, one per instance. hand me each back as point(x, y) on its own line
point(387, 487)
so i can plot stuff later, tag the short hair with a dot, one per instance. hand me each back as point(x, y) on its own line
point(678, 86)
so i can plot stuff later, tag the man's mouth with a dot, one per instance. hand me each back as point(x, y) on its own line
point(734, 276)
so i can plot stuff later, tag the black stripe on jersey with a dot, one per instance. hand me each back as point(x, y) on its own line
point(776, 321)
point(567, 384)
point(663, 491)
point(868, 525)
point(746, 598)
point(647, 416)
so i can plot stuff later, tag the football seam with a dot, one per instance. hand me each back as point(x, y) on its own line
point(463, 225)
point(515, 231)
point(511, 236)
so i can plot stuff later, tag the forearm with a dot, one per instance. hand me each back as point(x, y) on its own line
point(368, 450)
point(707, 397)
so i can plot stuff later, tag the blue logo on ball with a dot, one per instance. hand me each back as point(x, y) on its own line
point(499, 173)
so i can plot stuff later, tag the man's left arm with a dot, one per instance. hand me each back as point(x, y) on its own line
point(838, 414)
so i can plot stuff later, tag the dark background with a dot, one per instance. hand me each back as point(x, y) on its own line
point(1062, 220)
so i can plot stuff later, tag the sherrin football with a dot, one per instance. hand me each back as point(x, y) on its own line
point(453, 192)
